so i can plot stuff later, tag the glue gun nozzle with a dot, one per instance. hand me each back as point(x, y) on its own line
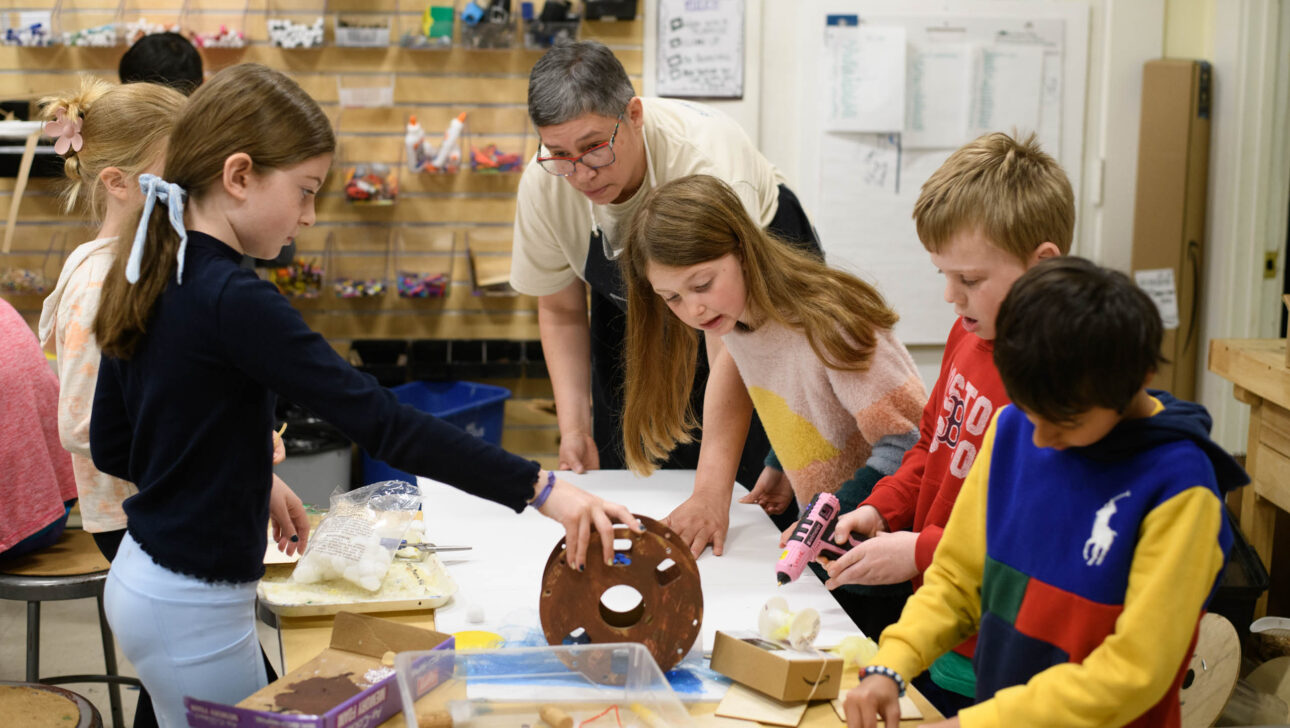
point(781, 578)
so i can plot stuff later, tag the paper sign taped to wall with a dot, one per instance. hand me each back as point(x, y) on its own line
point(1159, 284)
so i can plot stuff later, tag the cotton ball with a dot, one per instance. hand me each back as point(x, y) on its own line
point(475, 614)
point(370, 583)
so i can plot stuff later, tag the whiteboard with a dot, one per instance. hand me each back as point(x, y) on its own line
point(1024, 65)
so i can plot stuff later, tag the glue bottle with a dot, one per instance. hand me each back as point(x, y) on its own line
point(451, 139)
point(412, 141)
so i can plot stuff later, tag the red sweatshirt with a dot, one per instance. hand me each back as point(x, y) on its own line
point(921, 493)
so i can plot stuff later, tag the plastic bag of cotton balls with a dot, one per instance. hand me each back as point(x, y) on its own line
point(357, 538)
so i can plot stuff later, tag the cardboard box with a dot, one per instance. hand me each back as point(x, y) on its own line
point(1169, 209)
point(358, 642)
point(776, 669)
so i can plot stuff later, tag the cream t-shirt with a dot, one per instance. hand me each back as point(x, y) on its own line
point(553, 221)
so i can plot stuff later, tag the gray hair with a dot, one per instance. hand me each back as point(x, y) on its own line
point(576, 78)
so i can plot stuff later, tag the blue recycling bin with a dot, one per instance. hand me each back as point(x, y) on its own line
point(476, 408)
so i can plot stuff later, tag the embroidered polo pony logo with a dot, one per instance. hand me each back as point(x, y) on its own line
point(1099, 542)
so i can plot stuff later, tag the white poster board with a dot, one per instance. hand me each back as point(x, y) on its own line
point(970, 67)
point(701, 49)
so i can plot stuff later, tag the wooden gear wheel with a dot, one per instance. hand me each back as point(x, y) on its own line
point(666, 621)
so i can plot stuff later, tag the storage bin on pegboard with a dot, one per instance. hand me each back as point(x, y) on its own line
point(436, 151)
point(28, 272)
point(555, 22)
point(146, 17)
point(499, 142)
point(83, 27)
point(359, 273)
point(423, 260)
point(362, 29)
point(479, 409)
point(426, 26)
point(296, 24)
point(29, 28)
point(212, 29)
point(487, 24)
point(302, 276)
point(370, 164)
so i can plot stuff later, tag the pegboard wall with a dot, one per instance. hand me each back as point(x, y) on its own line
point(435, 218)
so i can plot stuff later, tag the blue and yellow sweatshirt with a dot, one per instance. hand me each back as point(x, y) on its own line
point(1084, 570)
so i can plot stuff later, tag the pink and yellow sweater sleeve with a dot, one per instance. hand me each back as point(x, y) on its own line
point(886, 400)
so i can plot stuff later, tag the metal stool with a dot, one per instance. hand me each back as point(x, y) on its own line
point(73, 568)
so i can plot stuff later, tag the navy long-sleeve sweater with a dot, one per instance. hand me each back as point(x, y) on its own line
point(188, 418)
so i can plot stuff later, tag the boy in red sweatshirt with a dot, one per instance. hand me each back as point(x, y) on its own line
point(994, 209)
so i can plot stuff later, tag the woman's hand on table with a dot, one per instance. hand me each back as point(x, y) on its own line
point(289, 519)
point(578, 511)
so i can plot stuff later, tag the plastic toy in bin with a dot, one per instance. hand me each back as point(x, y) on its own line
point(422, 156)
point(22, 280)
point(358, 287)
point(491, 159)
point(374, 184)
point(422, 285)
point(32, 35)
point(286, 33)
point(434, 30)
point(224, 38)
point(298, 279)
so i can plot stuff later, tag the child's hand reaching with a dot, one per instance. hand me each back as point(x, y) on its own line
point(876, 695)
point(773, 491)
point(886, 558)
point(865, 520)
point(577, 510)
point(279, 450)
point(290, 522)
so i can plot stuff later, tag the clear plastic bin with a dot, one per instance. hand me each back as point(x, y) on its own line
point(509, 687)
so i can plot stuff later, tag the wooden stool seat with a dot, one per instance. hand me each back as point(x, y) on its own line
point(32, 704)
point(73, 568)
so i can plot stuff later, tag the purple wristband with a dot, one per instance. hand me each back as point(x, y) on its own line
point(546, 491)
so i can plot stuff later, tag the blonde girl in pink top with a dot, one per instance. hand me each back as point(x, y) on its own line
point(109, 135)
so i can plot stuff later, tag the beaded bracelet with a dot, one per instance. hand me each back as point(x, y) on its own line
point(546, 490)
point(886, 672)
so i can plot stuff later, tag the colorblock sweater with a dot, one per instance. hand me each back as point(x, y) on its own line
point(188, 419)
point(825, 424)
point(1085, 571)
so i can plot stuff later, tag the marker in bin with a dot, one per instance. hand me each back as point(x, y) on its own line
point(812, 538)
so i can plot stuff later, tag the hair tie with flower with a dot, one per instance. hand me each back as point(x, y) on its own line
point(65, 132)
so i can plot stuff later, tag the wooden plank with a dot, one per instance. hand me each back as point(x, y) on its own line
point(531, 439)
point(1257, 365)
point(397, 325)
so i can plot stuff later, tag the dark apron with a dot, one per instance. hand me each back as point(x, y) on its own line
point(608, 342)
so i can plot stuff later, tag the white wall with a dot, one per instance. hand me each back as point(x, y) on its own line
point(1247, 197)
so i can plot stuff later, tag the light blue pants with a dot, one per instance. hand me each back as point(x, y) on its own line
point(185, 636)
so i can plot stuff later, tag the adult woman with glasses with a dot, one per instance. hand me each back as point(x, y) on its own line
point(603, 148)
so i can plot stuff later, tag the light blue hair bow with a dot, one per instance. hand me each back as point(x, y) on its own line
point(155, 188)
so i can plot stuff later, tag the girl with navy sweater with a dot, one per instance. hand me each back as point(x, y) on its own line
point(195, 349)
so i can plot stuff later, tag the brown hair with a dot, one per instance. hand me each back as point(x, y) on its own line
point(247, 108)
point(122, 126)
point(696, 219)
point(1011, 191)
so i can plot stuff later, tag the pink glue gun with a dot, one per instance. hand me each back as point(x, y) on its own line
point(812, 538)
